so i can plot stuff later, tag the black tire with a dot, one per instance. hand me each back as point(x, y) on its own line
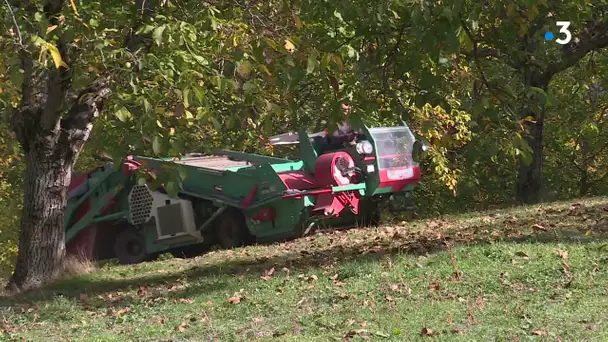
point(191, 251)
point(369, 214)
point(231, 229)
point(130, 248)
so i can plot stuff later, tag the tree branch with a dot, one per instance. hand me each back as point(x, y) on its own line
point(595, 153)
point(601, 179)
point(88, 105)
point(570, 157)
point(483, 53)
point(594, 37)
point(59, 80)
point(478, 64)
point(10, 9)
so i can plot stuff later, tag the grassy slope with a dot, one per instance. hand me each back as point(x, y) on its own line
point(503, 277)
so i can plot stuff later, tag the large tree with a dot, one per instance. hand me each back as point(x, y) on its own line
point(509, 38)
point(67, 58)
point(60, 95)
point(50, 140)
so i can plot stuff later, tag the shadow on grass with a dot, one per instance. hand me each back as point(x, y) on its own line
point(571, 225)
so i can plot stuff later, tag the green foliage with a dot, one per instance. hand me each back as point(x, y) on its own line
point(231, 74)
point(11, 170)
point(447, 133)
point(578, 136)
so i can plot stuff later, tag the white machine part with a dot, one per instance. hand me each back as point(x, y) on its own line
point(174, 216)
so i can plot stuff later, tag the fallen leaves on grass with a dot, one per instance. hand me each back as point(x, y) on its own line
point(308, 278)
point(312, 279)
point(338, 283)
point(142, 291)
point(301, 301)
point(94, 314)
point(362, 333)
point(575, 209)
point(471, 319)
point(185, 301)
point(434, 286)
point(157, 299)
point(480, 303)
point(174, 287)
point(457, 276)
point(567, 272)
point(268, 274)
point(539, 227)
point(181, 327)
point(121, 312)
point(7, 326)
point(428, 332)
point(435, 224)
point(522, 255)
point(342, 295)
point(539, 332)
point(562, 254)
point(84, 298)
point(237, 297)
point(488, 219)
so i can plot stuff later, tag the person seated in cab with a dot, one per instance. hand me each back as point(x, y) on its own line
point(344, 134)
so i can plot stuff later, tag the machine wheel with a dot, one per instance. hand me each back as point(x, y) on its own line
point(369, 214)
point(130, 248)
point(191, 251)
point(232, 230)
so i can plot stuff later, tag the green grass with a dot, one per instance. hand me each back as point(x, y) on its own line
point(463, 278)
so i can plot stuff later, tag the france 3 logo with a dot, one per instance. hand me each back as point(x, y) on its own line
point(563, 25)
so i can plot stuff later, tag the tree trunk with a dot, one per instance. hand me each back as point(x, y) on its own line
point(50, 155)
point(584, 169)
point(52, 128)
point(42, 238)
point(530, 176)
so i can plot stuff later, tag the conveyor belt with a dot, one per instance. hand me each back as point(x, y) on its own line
point(212, 162)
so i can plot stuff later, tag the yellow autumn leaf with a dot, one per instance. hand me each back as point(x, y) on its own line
point(73, 5)
point(43, 51)
point(289, 46)
point(529, 118)
point(56, 56)
point(265, 69)
point(297, 20)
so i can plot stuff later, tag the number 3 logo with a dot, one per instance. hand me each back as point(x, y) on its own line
point(564, 29)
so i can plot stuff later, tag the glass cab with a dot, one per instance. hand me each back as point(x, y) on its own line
point(392, 158)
